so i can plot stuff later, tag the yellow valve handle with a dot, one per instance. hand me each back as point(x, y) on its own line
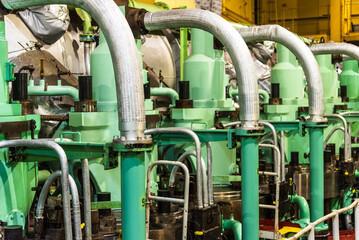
point(198, 233)
point(287, 229)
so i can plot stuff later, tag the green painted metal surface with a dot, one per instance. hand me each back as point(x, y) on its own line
point(105, 205)
point(250, 188)
point(304, 210)
point(316, 173)
point(4, 87)
point(233, 225)
point(133, 196)
point(349, 77)
point(17, 179)
point(52, 90)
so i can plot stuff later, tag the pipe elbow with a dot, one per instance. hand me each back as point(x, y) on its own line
point(235, 226)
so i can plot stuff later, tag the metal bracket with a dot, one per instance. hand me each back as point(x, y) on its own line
point(14, 130)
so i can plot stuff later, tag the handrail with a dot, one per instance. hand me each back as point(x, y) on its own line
point(335, 214)
point(183, 201)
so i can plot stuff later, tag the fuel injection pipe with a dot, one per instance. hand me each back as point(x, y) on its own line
point(316, 104)
point(248, 97)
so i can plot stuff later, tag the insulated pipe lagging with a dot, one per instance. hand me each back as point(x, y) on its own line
point(86, 187)
point(336, 48)
point(75, 201)
point(306, 58)
point(64, 178)
point(234, 44)
point(125, 58)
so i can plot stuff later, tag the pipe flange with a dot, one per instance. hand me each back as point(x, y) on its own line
point(124, 145)
point(135, 18)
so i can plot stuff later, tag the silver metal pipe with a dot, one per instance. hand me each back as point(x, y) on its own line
point(268, 140)
point(195, 138)
point(234, 44)
point(64, 178)
point(347, 136)
point(356, 137)
point(125, 58)
point(86, 189)
point(331, 134)
point(87, 53)
point(336, 48)
point(275, 142)
point(76, 211)
point(210, 173)
point(181, 201)
point(75, 201)
point(305, 56)
point(232, 124)
point(282, 156)
point(277, 190)
point(203, 169)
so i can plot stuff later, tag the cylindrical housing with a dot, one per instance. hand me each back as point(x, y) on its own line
point(316, 173)
point(85, 88)
point(133, 178)
point(184, 90)
point(275, 90)
point(19, 87)
point(13, 232)
point(147, 90)
point(294, 159)
point(250, 188)
point(343, 91)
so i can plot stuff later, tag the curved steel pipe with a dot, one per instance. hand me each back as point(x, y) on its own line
point(203, 166)
point(195, 138)
point(331, 134)
point(233, 42)
point(209, 172)
point(75, 201)
point(64, 178)
point(336, 48)
point(125, 58)
point(305, 56)
point(347, 136)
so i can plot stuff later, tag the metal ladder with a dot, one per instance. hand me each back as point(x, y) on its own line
point(183, 201)
point(265, 234)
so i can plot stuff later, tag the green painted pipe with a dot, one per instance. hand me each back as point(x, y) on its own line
point(235, 226)
point(42, 176)
point(4, 87)
point(133, 195)
point(184, 48)
point(265, 95)
point(303, 209)
point(356, 174)
point(348, 199)
point(169, 92)
point(261, 92)
point(316, 174)
point(52, 90)
point(250, 187)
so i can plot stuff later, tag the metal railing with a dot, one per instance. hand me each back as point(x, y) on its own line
point(277, 161)
point(335, 225)
point(183, 201)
